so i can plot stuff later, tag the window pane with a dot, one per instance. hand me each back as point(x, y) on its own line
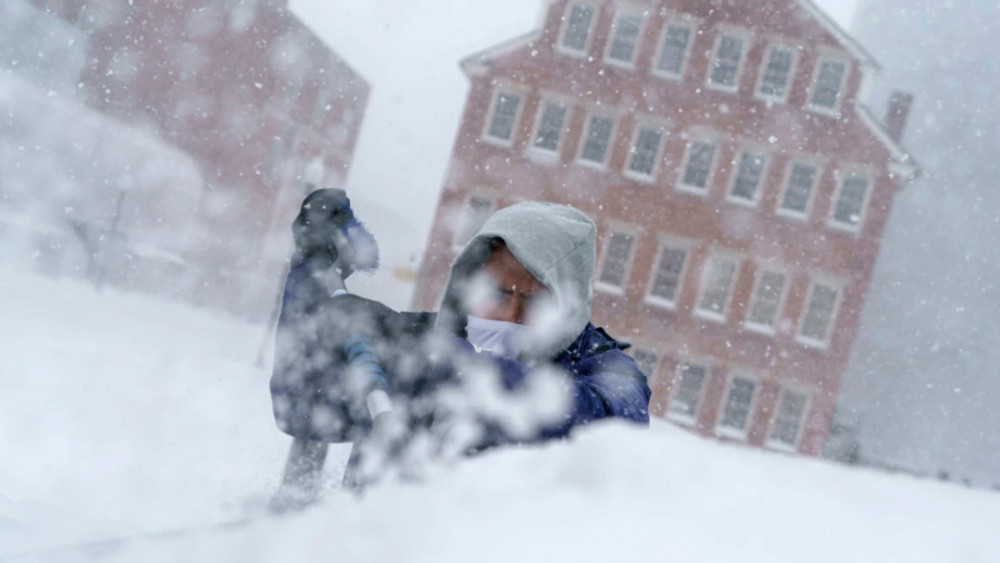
point(626, 36)
point(800, 186)
point(727, 61)
point(668, 273)
point(616, 257)
point(766, 299)
point(477, 209)
point(819, 313)
point(578, 27)
point(738, 403)
point(718, 282)
point(826, 90)
point(748, 174)
point(647, 147)
point(788, 419)
point(504, 116)
point(699, 164)
point(550, 126)
point(595, 146)
point(646, 361)
point(777, 72)
point(686, 390)
point(675, 44)
point(851, 200)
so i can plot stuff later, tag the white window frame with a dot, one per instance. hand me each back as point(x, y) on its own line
point(763, 71)
point(692, 138)
point(728, 431)
point(831, 325)
point(500, 89)
point(793, 213)
point(678, 244)
point(586, 132)
point(842, 175)
point(632, 11)
point(783, 446)
point(848, 68)
point(543, 101)
point(702, 313)
point(681, 418)
point(457, 234)
point(560, 48)
point(651, 351)
point(646, 123)
point(761, 181)
point(758, 276)
point(614, 227)
point(747, 39)
point(692, 27)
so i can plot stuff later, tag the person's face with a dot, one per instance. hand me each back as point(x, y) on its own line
point(513, 288)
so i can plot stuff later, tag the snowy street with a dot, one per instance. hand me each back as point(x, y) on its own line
point(123, 414)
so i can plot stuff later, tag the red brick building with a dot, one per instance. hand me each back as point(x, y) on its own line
point(263, 106)
point(739, 186)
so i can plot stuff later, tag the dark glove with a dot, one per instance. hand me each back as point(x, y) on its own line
point(321, 222)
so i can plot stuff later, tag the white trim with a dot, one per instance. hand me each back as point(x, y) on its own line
point(793, 213)
point(838, 32)
point(687, 420)
point(783, 446)
point(728, 31)
point(559, 47)
point(591, 113)
point(677, 244)
point(626, 10)
point(837, 109)
point(728, 431)
point(659, 124)
point(500, 88)
point(902, 163)
point(678, 21)
point(616, 227)
point(762, 71)
point(842, 174)
point(543, 100)
point(761, 181)
point(477, 64)
point(718, 254)
point(761, 269)
point(831, 323)
point(688, 188)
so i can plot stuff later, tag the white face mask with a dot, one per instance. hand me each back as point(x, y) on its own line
point(499, 337)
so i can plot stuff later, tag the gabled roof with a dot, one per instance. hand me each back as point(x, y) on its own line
point(845, 38)
point(476, 63)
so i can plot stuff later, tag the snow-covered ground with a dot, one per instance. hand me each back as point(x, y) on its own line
point(122, 414)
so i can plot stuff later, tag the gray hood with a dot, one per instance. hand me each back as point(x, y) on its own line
point(557, 244)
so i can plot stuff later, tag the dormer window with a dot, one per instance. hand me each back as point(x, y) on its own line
point(724, 71)
point(828, 84)
point(625, 38)
point(577, 25)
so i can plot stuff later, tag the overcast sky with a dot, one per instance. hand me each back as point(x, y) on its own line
point(409, 50)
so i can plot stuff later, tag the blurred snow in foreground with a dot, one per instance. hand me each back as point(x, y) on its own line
point(122, 414)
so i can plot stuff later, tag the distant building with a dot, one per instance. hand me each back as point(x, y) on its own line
point(739, 186)
point(264, 107)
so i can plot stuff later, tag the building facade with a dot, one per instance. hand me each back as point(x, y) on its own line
point(263, 106)
point(739, 186)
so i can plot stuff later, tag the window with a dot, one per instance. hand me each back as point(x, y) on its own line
point(766, 301)
point(776, 72)
point(747, 179)
point(850, 204)
point(788, 418)
point(617, 254)
point(576, 30)
point(698, 168)
point(827, 84)
point(645, 151)
point(477, 209)
point(799, 188)
point(598, 139)
point(739, 404)
point(815, 326)
point(717, 284)
point(550, 126)
point(646, 361)
point(668, 274)
point(673, 50)
point(504, 117)
point(725, 68)
point(686, 391)
point(624, 38)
